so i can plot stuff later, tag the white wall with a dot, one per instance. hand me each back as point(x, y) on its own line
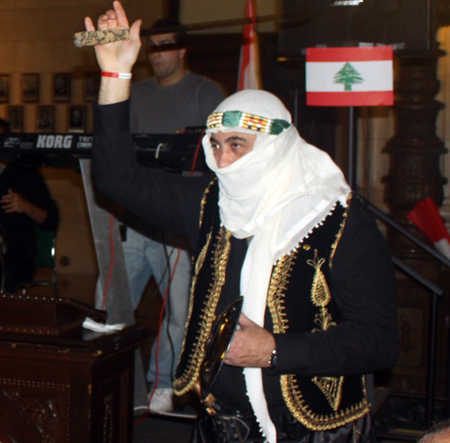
point(204, 11)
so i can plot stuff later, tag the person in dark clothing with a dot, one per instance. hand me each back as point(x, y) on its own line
point(277, 224)
point(25, 203)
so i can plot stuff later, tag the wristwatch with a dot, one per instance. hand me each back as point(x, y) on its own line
point(273, 359)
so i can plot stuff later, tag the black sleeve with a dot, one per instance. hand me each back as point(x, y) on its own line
point(166, 200)
point(51, 222)
point(364, 288)
point(36, 191)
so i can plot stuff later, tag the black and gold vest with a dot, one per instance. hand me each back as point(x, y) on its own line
point(318, 403)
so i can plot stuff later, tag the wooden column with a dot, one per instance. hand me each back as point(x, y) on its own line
point(415, 149)
point(415, 153)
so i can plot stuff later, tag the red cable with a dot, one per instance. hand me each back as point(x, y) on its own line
point(194, 160)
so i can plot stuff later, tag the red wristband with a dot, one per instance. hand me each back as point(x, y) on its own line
point(116, 75)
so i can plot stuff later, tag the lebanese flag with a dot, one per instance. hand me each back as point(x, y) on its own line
point(349, 76)
point(426, 217)
point(249, 68)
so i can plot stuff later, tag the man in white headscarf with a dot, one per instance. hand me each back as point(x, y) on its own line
point(277, 224)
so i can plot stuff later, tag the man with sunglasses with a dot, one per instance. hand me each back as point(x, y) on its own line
point(174, 98)
point(171, 100)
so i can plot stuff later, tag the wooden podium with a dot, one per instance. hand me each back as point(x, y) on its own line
point(73, 386)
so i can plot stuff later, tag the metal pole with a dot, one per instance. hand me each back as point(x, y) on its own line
point(447, 397)
point(352, 131)
point(431, 369)
point(296, 106)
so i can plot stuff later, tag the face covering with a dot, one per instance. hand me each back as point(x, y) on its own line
point(276, 195)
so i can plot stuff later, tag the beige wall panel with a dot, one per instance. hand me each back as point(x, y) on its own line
point(74, 239)
point(146, 10)
point(44, 23)
point(382, 123)
point(44, 4)
point(199, 11)
point(374, 131)
point(30, 22)
point(8, 55)
point(53, 57)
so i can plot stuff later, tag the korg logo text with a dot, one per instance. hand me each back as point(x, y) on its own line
point(54, 141)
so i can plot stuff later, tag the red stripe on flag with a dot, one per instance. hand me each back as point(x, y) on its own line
point(352, 54)
point(366, 98)
point(425, 215)
point(249, 76)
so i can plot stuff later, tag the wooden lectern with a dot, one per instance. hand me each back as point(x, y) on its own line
point(61, 383)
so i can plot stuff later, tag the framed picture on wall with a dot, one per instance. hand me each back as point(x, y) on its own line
point(30, 88)
point(4, 88)
point(91, 85)
point(14, 115)
point(45, 119)
point(77, 119)
point(62, 87)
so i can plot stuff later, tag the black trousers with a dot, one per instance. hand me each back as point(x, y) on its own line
point(226, 428)
point(19, 267)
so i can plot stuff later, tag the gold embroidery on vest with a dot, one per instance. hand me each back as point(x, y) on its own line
point(315, 422)
point(276, 293)
point(289, 386)
point(203, 202)
point(292, 395)
point(331, 387)
point(219, 263)
point(197, 266)
point(320, 295)
point(341, 229)
point(202, 255)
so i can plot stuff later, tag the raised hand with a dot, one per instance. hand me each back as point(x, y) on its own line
point(118, 56)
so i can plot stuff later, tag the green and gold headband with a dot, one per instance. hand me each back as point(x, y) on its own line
point(234, 119)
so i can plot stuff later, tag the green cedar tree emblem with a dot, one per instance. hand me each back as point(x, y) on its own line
point(349, 76)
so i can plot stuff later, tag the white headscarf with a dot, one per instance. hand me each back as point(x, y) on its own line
point(277, 194)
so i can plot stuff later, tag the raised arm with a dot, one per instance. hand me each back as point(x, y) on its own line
point(117, 57)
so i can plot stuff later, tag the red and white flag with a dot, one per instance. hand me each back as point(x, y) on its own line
point(349, 76)
point(249, 67)
point(426, 217)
